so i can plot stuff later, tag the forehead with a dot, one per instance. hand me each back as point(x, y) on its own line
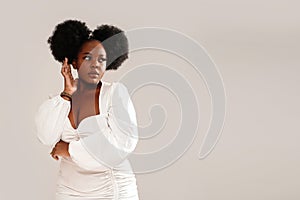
point(92, 46)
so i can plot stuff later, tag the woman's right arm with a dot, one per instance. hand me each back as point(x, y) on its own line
point(53, 113)
point(50, 119)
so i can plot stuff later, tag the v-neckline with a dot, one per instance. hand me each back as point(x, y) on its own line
point(100, 100)
point(76, 129)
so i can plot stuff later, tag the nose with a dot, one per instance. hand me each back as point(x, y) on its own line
point(95, 63)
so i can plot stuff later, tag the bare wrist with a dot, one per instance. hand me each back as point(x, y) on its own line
point(68, 91)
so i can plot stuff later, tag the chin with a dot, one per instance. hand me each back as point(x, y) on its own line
point(91, 81)
point(94, 82)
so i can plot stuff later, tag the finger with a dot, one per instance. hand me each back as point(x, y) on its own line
point(66, 72)
point(54, 155)
point(64, 68)
point(65, 62)
point(66, 65)
point(52, 151)
point(56, 144)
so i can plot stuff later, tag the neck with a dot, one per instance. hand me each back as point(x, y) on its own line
point(84, 87)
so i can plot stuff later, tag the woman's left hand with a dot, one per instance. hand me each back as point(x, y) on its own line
point(61, 149)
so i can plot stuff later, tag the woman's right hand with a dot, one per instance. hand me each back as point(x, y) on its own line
point(70, 82)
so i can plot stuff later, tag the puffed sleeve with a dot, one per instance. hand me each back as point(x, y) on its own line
point(50, 119)
point(112, 135)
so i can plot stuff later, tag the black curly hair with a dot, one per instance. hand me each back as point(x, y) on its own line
point(69, 36)
point(115, 44)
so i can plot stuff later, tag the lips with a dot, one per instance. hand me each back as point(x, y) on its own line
point(93, 73)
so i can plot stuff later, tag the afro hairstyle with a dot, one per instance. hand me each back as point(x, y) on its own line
point(115, 44)
point(70, 35)
point(67, 38)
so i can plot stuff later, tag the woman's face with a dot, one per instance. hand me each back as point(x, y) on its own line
point(91, 62)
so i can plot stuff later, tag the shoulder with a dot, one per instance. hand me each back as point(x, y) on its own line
point(115, 86)
point(117, 90)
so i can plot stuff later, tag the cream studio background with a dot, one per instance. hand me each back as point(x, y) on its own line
point(256, 47)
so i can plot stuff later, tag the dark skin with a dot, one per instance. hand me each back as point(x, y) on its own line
point(90, 65)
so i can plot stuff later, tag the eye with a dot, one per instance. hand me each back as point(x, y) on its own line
point(101, 59)
point(87, 57)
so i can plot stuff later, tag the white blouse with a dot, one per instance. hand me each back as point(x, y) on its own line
point(98, 167)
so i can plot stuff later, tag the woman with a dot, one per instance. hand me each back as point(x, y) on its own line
point(91, 126)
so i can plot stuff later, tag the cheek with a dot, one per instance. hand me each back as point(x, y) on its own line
point(82, 70)
point(103, 68)
point(83, 66)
